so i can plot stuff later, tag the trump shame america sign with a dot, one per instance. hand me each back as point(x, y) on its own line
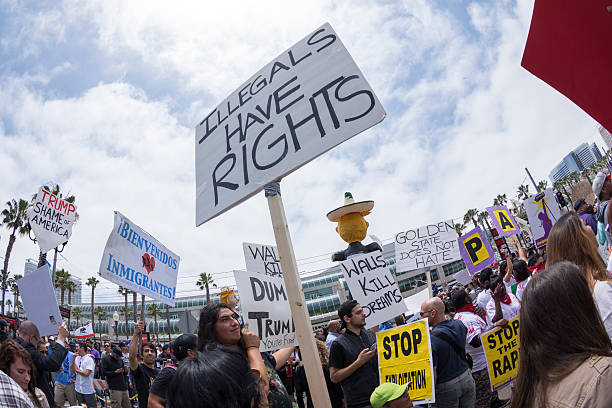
point(309, 99)
point(135, 260)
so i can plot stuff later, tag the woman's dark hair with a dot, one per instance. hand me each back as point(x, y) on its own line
point(568, 241)
point(9, 352)
point(216, 378)
point(206, 327)
point(459, 298)
point(519, 270)
point(555, 343)
point(494, 281)
point(485, 276)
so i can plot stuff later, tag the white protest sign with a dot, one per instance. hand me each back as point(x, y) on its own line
point(430, 245)
point(264, 304)
point(463, 277)
point(543, 212)
point(262, 259)
point(308, 100)
point(372, 285)
point(51, 219)
point(39, 302)
point(135, 260)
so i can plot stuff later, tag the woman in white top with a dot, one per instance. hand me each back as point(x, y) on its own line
point(503, 305)
point(570, 239)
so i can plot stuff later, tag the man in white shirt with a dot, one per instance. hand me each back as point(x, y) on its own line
point(465, 312)
point(84, 366)
point(484, 296)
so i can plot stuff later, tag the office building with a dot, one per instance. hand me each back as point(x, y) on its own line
point(582, 157)
point(606, 136)
point(324, 292)
point(30, 266)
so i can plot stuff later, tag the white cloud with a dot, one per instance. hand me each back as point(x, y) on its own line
point(464, 120)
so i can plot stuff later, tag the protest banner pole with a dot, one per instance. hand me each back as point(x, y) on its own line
point(428, 275)
point(297, 302)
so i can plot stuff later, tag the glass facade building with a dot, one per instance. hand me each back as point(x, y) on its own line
point(324, 292)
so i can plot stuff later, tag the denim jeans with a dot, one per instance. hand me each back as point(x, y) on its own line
point(460, 392)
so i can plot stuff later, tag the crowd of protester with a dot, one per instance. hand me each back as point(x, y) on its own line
point(562, 293)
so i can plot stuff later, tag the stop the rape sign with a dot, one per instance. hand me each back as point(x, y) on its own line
point(404, 355)
point(501, 347)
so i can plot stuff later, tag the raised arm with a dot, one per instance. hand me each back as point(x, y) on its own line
point(133, 349)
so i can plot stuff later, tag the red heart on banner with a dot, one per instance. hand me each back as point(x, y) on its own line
point(148, 262)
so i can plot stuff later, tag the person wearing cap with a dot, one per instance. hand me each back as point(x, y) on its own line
point(183, 348)
point(586, 213)
point(4, 330)
point(454, 384)
point(113, 369)
point(64, 383)
point(163, 357)
point(353, 362)
point(390, 395)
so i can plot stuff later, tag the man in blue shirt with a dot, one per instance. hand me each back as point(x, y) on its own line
point(333, 331)
point(64, 383)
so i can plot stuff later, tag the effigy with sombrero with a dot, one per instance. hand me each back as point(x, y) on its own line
point(352, 227)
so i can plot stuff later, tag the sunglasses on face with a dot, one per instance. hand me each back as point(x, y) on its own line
point(424, 313)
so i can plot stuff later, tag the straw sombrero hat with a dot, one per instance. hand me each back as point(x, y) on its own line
point(350, 206)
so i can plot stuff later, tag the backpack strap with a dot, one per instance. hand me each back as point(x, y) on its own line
point(460, 353)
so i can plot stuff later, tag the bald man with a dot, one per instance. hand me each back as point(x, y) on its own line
point(455, 386)
point(29, 338)
point(333, 331)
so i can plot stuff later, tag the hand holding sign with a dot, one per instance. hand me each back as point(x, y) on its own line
point(249, 338)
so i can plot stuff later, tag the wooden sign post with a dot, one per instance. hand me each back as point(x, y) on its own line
point(308, 100)
point(297, 302)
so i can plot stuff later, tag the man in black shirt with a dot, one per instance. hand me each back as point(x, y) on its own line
point(143, 373)
point(29, 338)
point(352, 361)
point(113, 369)
point(183, 348)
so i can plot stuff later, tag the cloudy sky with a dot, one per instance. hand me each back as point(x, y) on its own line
point(102, 97)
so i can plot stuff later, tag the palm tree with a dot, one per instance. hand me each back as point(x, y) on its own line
point(470, 215)
point(168, 322)
point(19, 307)
point(9, 303)
point(523, 192)
point(204, 282)
point(62, 278)
point(135, 303)
point(123, 291)
point(15, 289)
point(459, 228)
point(15, 219)
point(542, 185)
point(483, 217)
point(93, 282)
point(101, 313)
point(154, 311)
point(71, 288)
point(585, 174)
point(501, 199)
point(77, 313)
